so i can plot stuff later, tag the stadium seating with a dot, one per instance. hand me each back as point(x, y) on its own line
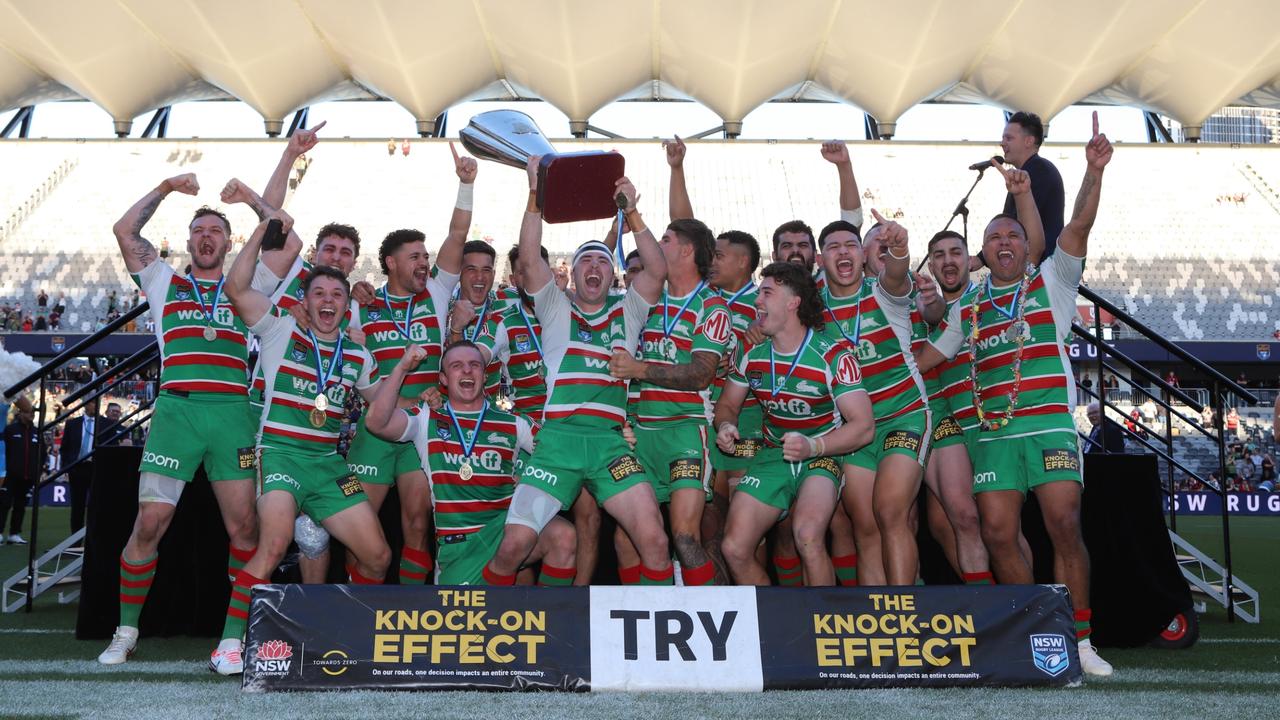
point(1173, 243)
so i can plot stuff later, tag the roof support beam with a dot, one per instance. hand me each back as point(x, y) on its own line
point(20, 120)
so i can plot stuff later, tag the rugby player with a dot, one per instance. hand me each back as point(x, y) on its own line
point(1023, 393)
point(468, 448)
point(308, 376)
point(581, 442)
point(802, 378)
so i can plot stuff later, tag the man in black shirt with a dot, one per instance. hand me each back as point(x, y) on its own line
point(23, 463)
point(1021, 141)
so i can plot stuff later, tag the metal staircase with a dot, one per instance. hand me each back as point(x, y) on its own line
point(1208, 579)
point(58, 569)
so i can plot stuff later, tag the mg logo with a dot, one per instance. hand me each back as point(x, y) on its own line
point(718, 326)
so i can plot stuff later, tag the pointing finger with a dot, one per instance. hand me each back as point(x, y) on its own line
point(876, 214)
point(998, 166)
point(1095, 123)
point(454, 150)
point(316, 129)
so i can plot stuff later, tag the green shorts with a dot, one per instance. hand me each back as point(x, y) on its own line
point(947, 432)
point(908, 435)
point(210, 429)
point(750, 423)
point(379, 462)
point(320, 484)
point(460, 559)
point(1022, 463)
point(675, 458)
point(776, 482)
point(568, 457)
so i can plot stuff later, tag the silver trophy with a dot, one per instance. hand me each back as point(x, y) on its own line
point(571, 186)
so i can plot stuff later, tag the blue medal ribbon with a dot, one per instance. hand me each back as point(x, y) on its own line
point(462, 438)
point(734, 298)
point(323, 378)
point(217, 297)
point(408, 314)
point(857, 325)
point(479, 320)
point(668, 325)
point(773, 370)
point(1013, 306)
point(527, 323)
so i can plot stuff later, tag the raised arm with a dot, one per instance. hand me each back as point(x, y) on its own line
point(299, 144)
point(1018, 183)
point(535, 271)
point(837, 153)
point(383, 417)
point(250, 304)
point(449, 259)
point(137, 251)
point(897, 260)
point(277, 261)
point(649, 282)
point(1075, 236)
point(681, 207)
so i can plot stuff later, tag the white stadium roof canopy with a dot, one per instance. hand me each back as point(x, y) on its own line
point(1182, 58)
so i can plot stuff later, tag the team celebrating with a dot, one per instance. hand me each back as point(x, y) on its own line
point(740, 424)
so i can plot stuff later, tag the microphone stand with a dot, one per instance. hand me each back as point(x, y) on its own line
point(961, 211)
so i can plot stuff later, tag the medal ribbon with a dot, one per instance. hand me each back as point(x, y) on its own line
point(773, 370)
point(670, 324)
point(479, 320)
point(617, 246)
point(857, 324)
point(457, 427)
point(217, 296)
point(408, 314)
point(527, 323)
point(734, 298)
point(323, 378)
point(1013, 306)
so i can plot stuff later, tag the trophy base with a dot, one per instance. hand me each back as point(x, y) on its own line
point(579, 186)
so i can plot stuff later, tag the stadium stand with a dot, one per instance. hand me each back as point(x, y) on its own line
point(1181, 247)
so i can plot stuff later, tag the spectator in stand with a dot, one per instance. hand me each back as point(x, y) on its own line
point(1267, 476)
point(1242, 380)
point(1106, 435)
point(1087, 382)
point(22, 466)
point(27, 325)
point(404, 148)
point(55, 320)
point(1172, 380)
point(1206, 417)
point(391, 148)
point(41, 324)
point(42, 303)
point(1233, 423)
point(61, 306)
point(113, 302)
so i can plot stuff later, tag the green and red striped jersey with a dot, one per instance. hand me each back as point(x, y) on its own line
point(677, 328)
point(798, 391)
point(288, 362)
point(578, 346)
point(742, 308)
point(514, 338)
point(426, 327)
point(465, 506)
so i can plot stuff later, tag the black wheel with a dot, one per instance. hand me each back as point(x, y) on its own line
point(1182, 632)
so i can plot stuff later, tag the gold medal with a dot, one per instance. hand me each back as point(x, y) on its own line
point(465, 472)
point(318, 418)
point(210, 334)
point(322, 402)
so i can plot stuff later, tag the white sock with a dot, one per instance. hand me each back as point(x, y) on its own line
point(229, 644)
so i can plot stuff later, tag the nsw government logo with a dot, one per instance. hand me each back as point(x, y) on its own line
point(273, 659)
point(1049, 653)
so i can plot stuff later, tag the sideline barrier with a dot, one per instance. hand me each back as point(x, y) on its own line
point(1262, 504)
point(350, 637)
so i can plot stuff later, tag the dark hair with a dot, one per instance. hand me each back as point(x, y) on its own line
point(696, 233)
point(837, 226)
point(627, 260)
point(394, 240)
point(946, 235)
point(319, 271)
point(746, 240)
point(794, 226)
point(801, 283)
point(1004, 216)
point(206, 210)
point(514, 254)
point(479, 246)
point(342, 231)
point(458, 344)
point(1030, 123)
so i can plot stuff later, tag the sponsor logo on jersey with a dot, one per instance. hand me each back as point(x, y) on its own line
point(163, 461)
point(349, 485)
point(443, 432)
point(1030, 303)
point(624, 467)
point(847, 370)
point(902, 440)
point(281, 478)
point(375, 315)
point(1049, 653)
point(1055, 460)
point(984, 478)
point(522, 343)
point(298, 352)
point(370, 471)
point(182, 294)
point(273, 658)
point(498, 439)
point(584, 333)
point(869, 323)
point(755, 380)
point(804, 386)
point(718, 325)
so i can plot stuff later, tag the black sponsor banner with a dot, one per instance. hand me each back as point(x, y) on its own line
point(335, 637)
point(919, 636)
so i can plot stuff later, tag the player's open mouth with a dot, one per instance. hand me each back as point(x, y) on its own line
point(845, 267)
point(594, 281)
point(950, 273)
point(420, 274)
point(466, 383)
point(1005, 258)
point(206, 248)
point(328, 313)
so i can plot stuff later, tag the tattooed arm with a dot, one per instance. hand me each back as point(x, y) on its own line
point(137, 251)
point(697, 375)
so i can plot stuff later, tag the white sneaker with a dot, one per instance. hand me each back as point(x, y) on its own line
point(123, 643)
point(227, 659)
point(16, 539)
point(1091, 663)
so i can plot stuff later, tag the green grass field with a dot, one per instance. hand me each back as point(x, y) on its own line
point(1235, 669)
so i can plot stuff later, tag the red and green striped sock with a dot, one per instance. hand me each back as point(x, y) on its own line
point(552, 576)
point(494, 578)
point(846, 569)
point(238, 607)
point(358, 579)
point(415, 565)
point(236, 560)
point(981, 578)
point(135, 583)
point(1083, 626)
point(629, 575)
point(704, 574)
point(649, 576)
point(788, 570)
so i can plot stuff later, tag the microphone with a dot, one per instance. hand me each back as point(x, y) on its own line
point(986, 163)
